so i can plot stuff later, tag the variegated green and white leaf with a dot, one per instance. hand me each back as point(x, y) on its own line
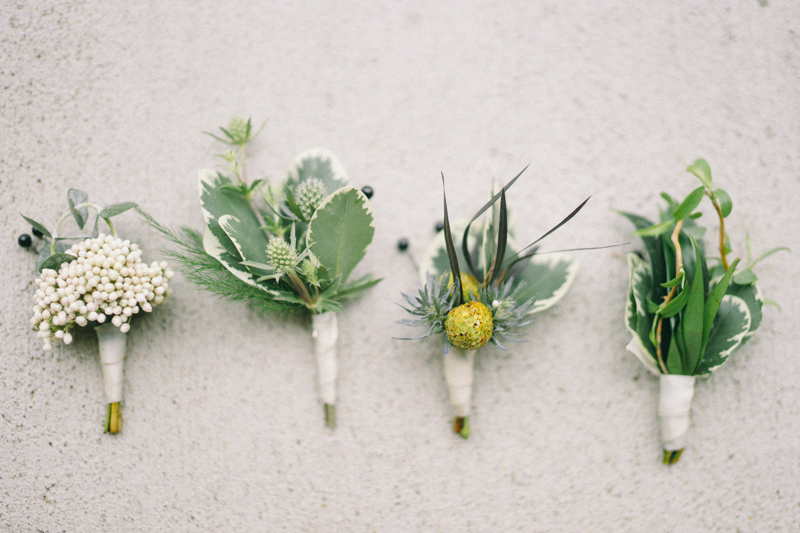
point(217, 202)
point(318, 163)
point(340, 231)
point(251, 244)
point(435, 261)
point(637, 348)
point(730, 328)
point(641, 287)
point(547, 278)
point(751, 294)
point(213, 248)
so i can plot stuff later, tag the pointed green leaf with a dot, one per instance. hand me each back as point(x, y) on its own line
point(502, 238)
point(250, 243)
point(769, 253)
point(692, 316)
point(673, 362)
point(655, 230)
point(117, 209)
point(689, 204)
point(451, 251)
point(216, 202)
point(674, 282)
point(75, 214)
point(714, 300)
point(293, 204)
point(340, 231)
point(77, 197)
point(727, 334)
point(745, 277)
point(725, 202)
point(36, 225)
point(655, 253)
point(676, 305)
point(702, 171)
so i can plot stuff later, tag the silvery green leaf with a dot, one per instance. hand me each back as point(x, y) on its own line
point(340, 231)
point(55, 261)
point(212, 247)
point(744, 277)
point(37, 225)
point(44, 253)
point(727, 334)
point(725, 202)
point(79, 220)
point(546, 278)
point(117, 209)
point(702, 171)
point(317, 163)
point(77, 197)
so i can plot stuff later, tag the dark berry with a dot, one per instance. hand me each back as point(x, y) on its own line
point(402, 244)
point(37, 233)
point(25, 240)
point(439, 226)
point(367, 190)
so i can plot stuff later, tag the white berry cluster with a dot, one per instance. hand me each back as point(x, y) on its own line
point(106, 281)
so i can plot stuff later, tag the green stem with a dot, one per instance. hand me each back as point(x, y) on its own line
point(66, 214)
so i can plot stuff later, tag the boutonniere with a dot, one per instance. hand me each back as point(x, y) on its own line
point(100, 281)
point(478, 286)
point(686, 316)
point(281, 248)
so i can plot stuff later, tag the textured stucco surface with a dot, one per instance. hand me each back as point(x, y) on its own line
point(222, 427)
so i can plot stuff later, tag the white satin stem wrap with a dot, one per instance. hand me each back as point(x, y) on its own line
point(112, 352)
point(674, 405)
point(458, 365)
point(326, 332)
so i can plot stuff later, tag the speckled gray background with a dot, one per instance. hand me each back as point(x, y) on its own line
point(222, 428)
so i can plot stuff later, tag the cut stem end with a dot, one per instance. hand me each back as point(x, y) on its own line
point(330, 415)
point(461, 426)
point(113, 418)
point(672, 457)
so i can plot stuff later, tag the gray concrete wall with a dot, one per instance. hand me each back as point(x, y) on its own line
point(222, 427)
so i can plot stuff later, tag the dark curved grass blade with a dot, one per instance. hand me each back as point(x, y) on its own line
point(574, 212)
point(502, 238)
point(451, 251)
point(481, 211)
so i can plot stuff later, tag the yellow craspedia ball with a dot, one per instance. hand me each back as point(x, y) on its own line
point(468, 285)
point(469, 326)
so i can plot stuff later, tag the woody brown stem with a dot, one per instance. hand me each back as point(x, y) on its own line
point(678, 268)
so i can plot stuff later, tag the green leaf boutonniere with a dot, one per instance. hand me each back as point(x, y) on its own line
point(287, 247)
point(687, 317)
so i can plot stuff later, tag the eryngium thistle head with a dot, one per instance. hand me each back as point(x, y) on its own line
point(469, 286)
point(308, 195)
point(281, 256)
point(469, 326)
point(237, 129)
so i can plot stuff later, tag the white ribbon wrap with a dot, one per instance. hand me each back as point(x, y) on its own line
point(325, 333)
point(458, 365)
point(112, 352)
point(674, 406)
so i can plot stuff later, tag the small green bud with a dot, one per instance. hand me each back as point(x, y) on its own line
point(281, 256)
point(308, 195)
point(237, 130)
point(309, 272)
point(469, 326)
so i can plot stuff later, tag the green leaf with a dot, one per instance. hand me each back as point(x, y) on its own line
point(676, 305)
point(354, 288)
point(674, 282)
point(727, 334)
point(78, 197)
point(751, 295)
point(317, 163)
point(502, 238)
point(117, 209)
point(745, 277)
point(768, 301)
point(672, 203)
point(725, 202)
point(55, 261)
point(546, 279)
point(216, 202)
point(714, 300)
point(695, 216)
point(655, 230)
point(655, 252)
point(689, 204)
point(673, 362)
point(551, 230)
point(692, 316)
point(250, 243)
point(766, 254)
point(293, 204)
point(640, 280)
point(340, 231)
point(451, 251)
point(79, 220)
point(36, 225)
point(702, 171)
